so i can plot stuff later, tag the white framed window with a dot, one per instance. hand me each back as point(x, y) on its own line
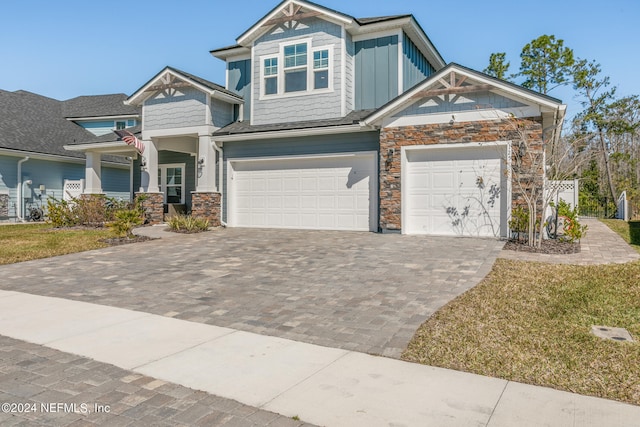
point(171, 182)
point(296, 69)
point(321, 69)
point(121, 124)
point(270, 72)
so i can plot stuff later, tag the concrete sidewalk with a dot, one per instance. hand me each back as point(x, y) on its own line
point(321, 385)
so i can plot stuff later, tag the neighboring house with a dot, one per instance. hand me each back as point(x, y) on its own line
point(101, 114)
point(33, 163)
point(327, 121)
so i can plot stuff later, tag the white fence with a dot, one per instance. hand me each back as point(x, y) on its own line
point(565, 190)
point(72, 189)
point(623, 207)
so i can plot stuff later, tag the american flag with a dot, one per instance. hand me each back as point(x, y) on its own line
point(130, 139)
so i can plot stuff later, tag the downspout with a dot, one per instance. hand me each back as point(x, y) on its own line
point(19, 188)
point(220, 168)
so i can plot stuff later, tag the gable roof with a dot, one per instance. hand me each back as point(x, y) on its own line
point(213, 89)
point(35, 123)
point(98, 106)
point(546, 102)
point(356, 26)
point(257, 29)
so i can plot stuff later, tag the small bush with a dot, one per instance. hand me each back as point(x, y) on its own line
point(187, 224)
point(125, 221)
point(571, 227)
point(94, 211)
point(60, 213)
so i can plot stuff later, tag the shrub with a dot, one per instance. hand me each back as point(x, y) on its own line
point(571, 227)
point(94, 211)
point(187, 224)
point(125, 221)
point(60, 213)
point(519, 223)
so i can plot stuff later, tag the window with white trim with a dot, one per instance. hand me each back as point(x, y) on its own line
point(295, 68)
point(121, 125)
point(171, 182)
point(321, 69)
point(271, 76)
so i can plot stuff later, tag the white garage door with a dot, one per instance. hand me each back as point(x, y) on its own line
point(455, 191)
point(322, 193)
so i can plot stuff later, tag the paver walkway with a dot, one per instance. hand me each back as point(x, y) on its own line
point(356, 291)
point(325, 386)
point(601, 245)
point(99, 394)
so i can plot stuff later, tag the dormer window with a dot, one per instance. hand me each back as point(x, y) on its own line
point(295, 68)
point(302, 69)
point(271, 76)
point(321, 69)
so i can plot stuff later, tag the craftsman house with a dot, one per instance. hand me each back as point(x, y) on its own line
point(34, 165)
point(327, 121)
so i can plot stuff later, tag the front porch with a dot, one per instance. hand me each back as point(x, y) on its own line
point(176, 172)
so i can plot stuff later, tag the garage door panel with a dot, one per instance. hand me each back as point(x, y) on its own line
point(320, 193)
point(448, 192)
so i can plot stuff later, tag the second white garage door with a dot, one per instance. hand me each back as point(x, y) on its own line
point(321, 193)
point(455, 191)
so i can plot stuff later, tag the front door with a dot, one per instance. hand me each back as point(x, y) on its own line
point(171, 182)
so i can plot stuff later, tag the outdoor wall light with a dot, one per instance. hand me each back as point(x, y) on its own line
point(389, 160)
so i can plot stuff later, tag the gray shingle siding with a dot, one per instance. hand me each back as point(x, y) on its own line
point(466, 102)
point(185, 107)
point(349, 70)
point(306, 106)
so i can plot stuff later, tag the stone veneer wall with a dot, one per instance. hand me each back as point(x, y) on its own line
point(153, 207)
point(4, 205)
point(487, 131)
point(206, 205)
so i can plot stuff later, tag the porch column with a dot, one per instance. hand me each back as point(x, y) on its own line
point(93, 173)
point(151, 159)
point(206, 165)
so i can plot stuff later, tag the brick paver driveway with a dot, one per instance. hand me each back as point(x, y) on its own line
point(357, 291)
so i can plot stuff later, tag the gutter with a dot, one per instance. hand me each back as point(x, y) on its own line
point(292, 133)
point(19, 188)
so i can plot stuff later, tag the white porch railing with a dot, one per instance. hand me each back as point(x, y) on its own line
point(72, 189)
point(623, 207)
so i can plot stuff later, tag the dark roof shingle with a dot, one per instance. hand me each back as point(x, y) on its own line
point(244, 127)
point(98, 106)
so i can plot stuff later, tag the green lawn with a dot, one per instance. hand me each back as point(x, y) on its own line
point(530, 322)
point(629, 231)
point(24, 242)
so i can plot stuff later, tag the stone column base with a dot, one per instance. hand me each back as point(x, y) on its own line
point(206, 205)
point(153, 206)
point(4, 205)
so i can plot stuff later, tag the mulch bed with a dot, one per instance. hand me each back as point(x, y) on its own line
point(549, 246)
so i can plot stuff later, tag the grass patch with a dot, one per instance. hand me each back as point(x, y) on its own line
point(34, 241)
point(530, 322)
point(629, 231)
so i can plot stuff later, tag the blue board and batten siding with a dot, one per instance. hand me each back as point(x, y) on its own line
point(309, 146)
point(299, 106)
point(415, 67)
point(376, 72)
point(239, 75)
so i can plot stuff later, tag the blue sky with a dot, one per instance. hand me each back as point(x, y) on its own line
point(68, 48)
